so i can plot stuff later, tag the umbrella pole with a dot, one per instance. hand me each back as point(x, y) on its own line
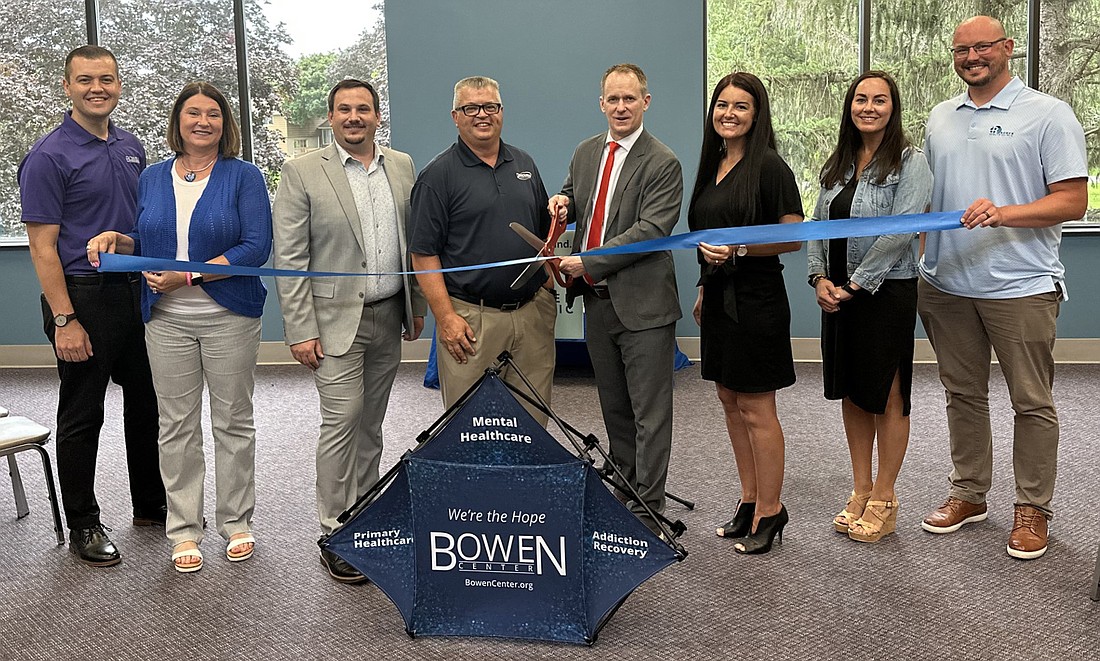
point(671, 530)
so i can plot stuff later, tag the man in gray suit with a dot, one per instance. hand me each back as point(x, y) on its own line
point(344, 208)
point(625, 186)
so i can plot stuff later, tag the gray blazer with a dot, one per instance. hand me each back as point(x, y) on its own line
point(317, 227)
point(644, 205)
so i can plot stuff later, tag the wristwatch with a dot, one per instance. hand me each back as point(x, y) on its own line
point(847, 286)
point(60, 320)
point(742, 250)
point(195, 280)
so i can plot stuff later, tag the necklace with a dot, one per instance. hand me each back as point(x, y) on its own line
point(190, 176)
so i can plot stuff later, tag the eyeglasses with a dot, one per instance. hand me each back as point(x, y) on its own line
point(472, 109)
point(981, 48)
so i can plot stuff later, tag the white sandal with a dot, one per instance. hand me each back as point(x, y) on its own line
point(234, 543)
point(189, 553)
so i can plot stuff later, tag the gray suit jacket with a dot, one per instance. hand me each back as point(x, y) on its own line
point(644, 205)
point(317, 227)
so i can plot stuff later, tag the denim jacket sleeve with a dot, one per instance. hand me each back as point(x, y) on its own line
point(912, 195)
point(816, 250)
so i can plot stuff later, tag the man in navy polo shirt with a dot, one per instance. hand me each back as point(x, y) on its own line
point(77, 181)
point(462, 204)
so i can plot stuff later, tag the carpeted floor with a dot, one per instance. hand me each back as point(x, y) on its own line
point(818, 596)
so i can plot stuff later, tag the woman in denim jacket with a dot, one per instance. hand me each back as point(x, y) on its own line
point(867, 289)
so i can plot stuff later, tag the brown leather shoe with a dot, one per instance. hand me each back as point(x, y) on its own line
point(952, 515)
point(1029, 533)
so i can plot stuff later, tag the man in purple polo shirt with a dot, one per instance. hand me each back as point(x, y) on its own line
point(77, 181)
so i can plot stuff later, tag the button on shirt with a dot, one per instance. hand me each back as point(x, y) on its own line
point(378, 220)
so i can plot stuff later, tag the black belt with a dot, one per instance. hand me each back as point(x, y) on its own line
point(503, 307)
point(90, 279)
point(599, 291)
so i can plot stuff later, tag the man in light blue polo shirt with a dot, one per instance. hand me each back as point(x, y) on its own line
point(999, 282)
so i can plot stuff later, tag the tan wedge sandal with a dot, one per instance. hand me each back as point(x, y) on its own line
point(852, 511)
point(880, 518)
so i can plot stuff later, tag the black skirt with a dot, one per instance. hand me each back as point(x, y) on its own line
point(867, 341)
point(745, 335)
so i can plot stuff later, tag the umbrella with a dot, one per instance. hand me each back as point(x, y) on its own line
point(490, 527)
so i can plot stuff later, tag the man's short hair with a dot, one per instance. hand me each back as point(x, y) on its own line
point(351, 83)
point(230, 144)
point(88, 53)
point(626, 67)
point(476, 82)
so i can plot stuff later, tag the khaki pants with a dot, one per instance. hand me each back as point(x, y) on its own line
point(1021, 331)
point(526, 333)
point(353, 390)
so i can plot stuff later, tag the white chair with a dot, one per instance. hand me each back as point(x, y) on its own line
point(18, 434)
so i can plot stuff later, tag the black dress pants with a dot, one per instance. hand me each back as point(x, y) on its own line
point(109, 310)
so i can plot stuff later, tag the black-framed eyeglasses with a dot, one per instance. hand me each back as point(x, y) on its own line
point(981, 48)
point(472, 109)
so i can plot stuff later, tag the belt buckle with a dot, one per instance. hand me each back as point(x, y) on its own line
point(510, 307)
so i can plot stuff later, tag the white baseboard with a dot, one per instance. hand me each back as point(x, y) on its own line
point(806, 349)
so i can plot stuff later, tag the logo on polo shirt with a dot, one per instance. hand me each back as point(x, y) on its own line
point(998, 131)
point(133, 159)
point(523, 176)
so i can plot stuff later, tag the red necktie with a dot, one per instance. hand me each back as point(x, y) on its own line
point(595, 228)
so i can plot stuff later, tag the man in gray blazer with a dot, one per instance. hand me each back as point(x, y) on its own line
point(344, 208)
point(626, 186)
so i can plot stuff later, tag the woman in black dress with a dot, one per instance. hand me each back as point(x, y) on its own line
point(742, 308)
point(867, 290)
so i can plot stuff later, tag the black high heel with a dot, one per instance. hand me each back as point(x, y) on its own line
point(741, 523)
point(767, 530)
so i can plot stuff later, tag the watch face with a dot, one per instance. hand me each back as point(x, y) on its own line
point(60, 320)
point(742, 251)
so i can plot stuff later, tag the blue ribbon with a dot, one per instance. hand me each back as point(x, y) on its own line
point(756, 234)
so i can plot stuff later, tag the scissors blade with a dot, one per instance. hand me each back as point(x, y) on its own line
point(528, 236)
point(527, 274)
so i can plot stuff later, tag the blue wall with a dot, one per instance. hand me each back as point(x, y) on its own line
point(548, 58)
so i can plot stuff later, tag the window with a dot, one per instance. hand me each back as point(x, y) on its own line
point(323, 50)
point(33, 47)
point(911, 43)
point(159, 52)
point(1069, 68)
point(806, 72)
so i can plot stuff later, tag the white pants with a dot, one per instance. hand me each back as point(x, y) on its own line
point(183, 349)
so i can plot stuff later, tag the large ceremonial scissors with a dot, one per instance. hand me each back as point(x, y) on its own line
point(546, 249)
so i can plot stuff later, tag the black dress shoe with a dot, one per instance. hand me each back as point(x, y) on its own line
point(93, 547)
point(339, 569)
point(767, 530)
point(155, 517)
point(741, 523)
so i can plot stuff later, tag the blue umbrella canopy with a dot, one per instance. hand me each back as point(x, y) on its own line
point(492, 528)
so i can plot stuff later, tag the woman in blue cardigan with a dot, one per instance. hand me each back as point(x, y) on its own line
point(203, 205)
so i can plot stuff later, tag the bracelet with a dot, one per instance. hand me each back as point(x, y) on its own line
point(815, 278)
point(187, 275)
